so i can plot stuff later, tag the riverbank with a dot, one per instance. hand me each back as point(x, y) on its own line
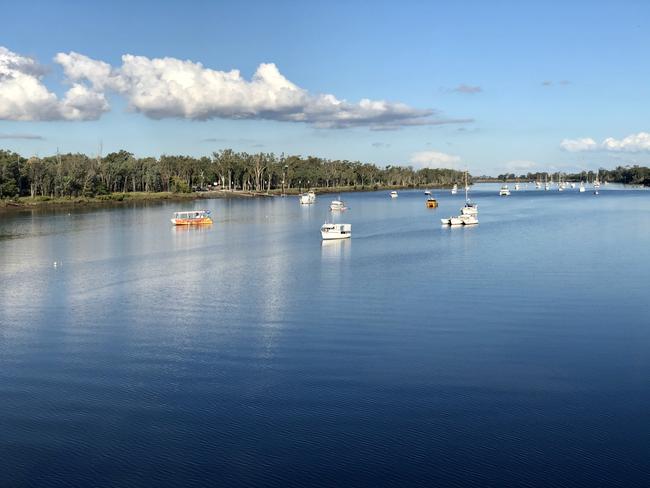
point(27, 203)
point(23, 203)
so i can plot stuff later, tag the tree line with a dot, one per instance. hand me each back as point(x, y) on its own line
point(629, 175)
point(75, 175)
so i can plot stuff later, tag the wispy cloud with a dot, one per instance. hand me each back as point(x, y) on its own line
point(173, 88)
point(33, 137)
point(468, 89)
point(434, 159)
point(633, 143)
point(521, 165)
point(551, 83)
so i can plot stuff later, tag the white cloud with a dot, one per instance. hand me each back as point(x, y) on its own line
point(24, 97)
point(578, 145)
point(434, 159)
point(174, 88)
point(169, 87)
point(633, 143)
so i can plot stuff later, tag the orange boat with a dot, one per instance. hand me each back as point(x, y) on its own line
point(195, 217)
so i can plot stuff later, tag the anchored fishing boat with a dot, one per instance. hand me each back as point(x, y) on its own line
point(194, 217)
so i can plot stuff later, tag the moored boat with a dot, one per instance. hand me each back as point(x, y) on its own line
point(336, 231)
point(194, 217)
point(338, 205)
point(504, 191)
point(307, 198)
point(469, 208)
point(467, 219)
point(393, 194)
point(431, 202)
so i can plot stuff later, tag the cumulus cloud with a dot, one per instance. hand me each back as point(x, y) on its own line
point(24, 97)
point(469, 89)
point(174, 88)
point(433, 159)
point(578, 145)
point(633, 143)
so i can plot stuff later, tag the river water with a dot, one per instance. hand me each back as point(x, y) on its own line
point(248, 353)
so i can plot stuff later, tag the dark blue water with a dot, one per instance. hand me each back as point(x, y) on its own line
point(514, 353)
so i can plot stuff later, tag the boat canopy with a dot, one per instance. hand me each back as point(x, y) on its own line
point(192, 214)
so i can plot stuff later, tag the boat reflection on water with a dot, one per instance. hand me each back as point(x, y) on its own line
point(190, 229)
point(335, 249)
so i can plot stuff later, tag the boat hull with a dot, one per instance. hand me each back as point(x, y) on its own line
point(330, 236)
point(201, 221)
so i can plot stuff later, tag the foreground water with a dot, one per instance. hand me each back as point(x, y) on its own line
point(516, 352)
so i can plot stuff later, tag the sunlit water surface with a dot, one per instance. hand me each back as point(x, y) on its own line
point(249, 353)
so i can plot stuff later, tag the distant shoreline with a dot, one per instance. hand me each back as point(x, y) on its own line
point(116, 199)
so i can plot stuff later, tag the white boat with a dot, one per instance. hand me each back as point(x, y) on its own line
point(452, 221)
point(573, 185)
point(597, 180)
point(338, 205)
point(393, 194)
point(427, 192)
point(454, 190)
point(455, 221)
point(538, 185)
point(193, 217)
point(336, 231)
point(469, 208)
point(504, 191)
point(308, 198)
point(516, 186)
point(582, 187)
point(468, 219)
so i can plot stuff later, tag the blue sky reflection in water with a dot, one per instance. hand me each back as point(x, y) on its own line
point(248, 353)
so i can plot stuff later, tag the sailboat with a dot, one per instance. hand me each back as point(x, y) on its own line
point(597, 180)
point(454, 190)
point(469, 208)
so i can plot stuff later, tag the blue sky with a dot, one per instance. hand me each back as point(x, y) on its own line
point(547, 85)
